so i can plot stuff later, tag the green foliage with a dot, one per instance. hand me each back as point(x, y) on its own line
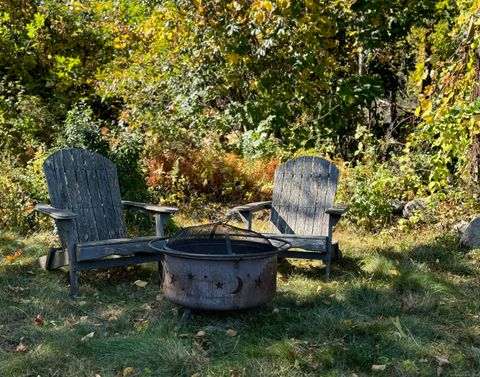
point(278, 73)
point(126, 153)
point(83, 131)
point(250, 79)
point(20, 188)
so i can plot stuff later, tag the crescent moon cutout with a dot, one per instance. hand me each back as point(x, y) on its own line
point(239, 286)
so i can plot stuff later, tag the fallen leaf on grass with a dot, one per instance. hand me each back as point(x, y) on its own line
point(140, 283)
point(327, 302)
point(141, 325)
point(346, 322)
point(147, 307)
point(196, 375)
point(83, 317)
point(112, 317)
point(159, 297)
point(378, 367)
point(89, 335)
point(291, 354)
point(200, 339)
point(439, 370)
point(275, 311)
point(231, 332)
point(128, 370)
point(393, 272)
point(319, 288)
point(234, 373)
point(38, 320)
point(442, 360)
point(21, 348)
point(16, 289)
point(11, 258)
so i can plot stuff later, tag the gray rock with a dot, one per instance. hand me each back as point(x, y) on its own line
point(414, 207)
point(460, 227)
point(397, 206)
point(471, 237)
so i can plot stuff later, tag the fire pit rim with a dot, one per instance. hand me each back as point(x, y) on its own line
point(205, 256)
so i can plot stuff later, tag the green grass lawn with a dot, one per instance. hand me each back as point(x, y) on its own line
point(407, 303)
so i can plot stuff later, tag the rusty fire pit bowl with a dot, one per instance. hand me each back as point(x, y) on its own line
point(219, 267)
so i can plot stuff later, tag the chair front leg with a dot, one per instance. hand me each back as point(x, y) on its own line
point(160, 221)
point(246, 217)
point(67, 228)
point(328, 259)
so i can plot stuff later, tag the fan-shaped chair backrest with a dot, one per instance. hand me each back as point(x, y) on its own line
point(303, 189)
point(86, 183)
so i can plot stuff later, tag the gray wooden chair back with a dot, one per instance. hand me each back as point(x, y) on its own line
point(86, 183)
point(303, 189)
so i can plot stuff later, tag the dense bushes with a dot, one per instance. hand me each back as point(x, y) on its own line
point(199, 101)
point(20, 188)
point(206, 174)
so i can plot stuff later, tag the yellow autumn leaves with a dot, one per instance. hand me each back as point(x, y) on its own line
point(121, 41)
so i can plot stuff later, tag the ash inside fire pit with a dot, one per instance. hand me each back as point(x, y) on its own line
point(219, 267)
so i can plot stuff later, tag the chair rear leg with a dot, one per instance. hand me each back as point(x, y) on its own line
point(74, 286)
point(328, 260)
point(336, 252)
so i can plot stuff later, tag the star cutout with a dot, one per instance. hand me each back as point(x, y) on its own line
point(258, 283)
point(219, 285)
point(190, 276)
point(172, 279)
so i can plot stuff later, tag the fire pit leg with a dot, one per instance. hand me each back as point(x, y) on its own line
point(187, 314)
point(160, 272)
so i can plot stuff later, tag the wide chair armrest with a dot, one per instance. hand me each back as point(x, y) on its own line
point(55, 213)
point(252, 207)
point(338, 209)
point(148, 208)
point(246, 211)
point(335, 213)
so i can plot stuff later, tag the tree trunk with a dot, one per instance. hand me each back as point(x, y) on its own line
point(474, 152)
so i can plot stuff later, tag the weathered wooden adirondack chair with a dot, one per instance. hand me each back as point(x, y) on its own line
point(88, 211)
point(302, 208)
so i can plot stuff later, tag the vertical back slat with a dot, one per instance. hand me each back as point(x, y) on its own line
point(116, 197)
point(93, 183)
point(293, 209)
point(76, 204)
point(282, 205)
point(276, 197)
point(57, 187)
point(330, 194)
point(305, 202)
point(85, 196)
point(320, 223)
point(110, 201)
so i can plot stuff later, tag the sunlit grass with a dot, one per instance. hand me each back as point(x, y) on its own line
point(410, 302)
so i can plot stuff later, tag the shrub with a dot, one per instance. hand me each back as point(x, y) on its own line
point(20, 189)
point(205, 173)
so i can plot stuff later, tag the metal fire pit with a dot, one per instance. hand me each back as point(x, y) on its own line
point(219, 267)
